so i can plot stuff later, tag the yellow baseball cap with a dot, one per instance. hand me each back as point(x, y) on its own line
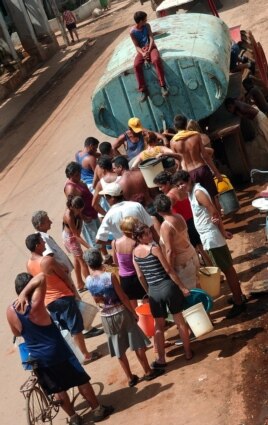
point(135, 125)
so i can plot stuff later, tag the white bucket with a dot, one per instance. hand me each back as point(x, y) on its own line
point(149, 169)
point(77, 352)
point(88, 312)
point(198, 320)
point(210, 280)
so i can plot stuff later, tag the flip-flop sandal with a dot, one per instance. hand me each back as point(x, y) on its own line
point(94, 356)
point(156, 365)
point(154, 374)
point(133, 381)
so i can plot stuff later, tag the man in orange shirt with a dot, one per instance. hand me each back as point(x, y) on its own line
point(61, 294)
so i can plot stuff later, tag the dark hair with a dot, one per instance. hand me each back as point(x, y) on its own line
point(180, 176)
point(105, 148)
point(162, 203)
point(21, 281)
point(170, 131)
point(139, 16)
point(105, 163)
point(91, 141)
point(229, 101)
point(75, 202)
point(121, 161)
point(163, 177)
point(151, 137)
point(32, 240)
point(72, 168)
point(93, 258)
point(138, 230)
point(180, 122)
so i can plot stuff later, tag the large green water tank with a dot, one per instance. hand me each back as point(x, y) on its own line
point(195, 49)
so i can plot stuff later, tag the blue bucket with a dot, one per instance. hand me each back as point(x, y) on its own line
point(24, 355)
point(196, 296)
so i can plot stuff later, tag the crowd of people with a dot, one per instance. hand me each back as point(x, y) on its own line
point(155, 237)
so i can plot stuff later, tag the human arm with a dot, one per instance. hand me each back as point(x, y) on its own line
point(115, 260)
point(49, 266)
point(168, 241)
point(136, 162)
point(33, 292)
point(122, 296)
point(140, 275)
point(208, 160)
point(68, 218)
point(169, 152)
point(117, 143)
point(169, 270)
point(96, 200)
point(206, 202)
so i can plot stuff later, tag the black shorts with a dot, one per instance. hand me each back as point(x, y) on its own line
point(66, 312)
point(163, 295)
point(71, 26)
point(62, 376)
point(132, 287)
point(193, 233)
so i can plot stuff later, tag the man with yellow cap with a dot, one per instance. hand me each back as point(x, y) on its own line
point(133, 139)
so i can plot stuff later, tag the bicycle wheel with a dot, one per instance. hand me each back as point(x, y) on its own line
point(38, 410)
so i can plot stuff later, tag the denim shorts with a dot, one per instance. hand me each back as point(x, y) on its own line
point(66, 312)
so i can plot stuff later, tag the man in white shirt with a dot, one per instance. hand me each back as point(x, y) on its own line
point(119, 210)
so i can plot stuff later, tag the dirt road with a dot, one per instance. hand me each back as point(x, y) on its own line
point(225, 383)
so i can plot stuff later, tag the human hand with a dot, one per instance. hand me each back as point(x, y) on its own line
point(219, 177)
point(21, 303)
point(185, 291)
point(215, 219)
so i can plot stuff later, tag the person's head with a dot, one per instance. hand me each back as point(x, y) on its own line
point(140, 17)
point(93, 258)
point(151, 138)
point(162, 204)
point(229, 104)
point(105, 163)
point(91, 144)
point(22, 280)
point(35, 243)
point(112, 193)
point(127, 225)
point(41, 221)
point(106, 148)
point(182, 180)
point(135, 125)
point(120, 164)
point(75, 203)
point(193, 125)
point(142, 234)
point(163, 181)
point(248, 84)
point(180, 122)
point(73, 171)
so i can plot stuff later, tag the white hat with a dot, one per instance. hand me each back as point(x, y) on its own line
point(112, 189)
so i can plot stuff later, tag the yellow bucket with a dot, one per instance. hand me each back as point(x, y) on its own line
point(224, 185)
point(209, 279)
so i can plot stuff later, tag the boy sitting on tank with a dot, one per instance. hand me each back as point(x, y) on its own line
point(142, 37)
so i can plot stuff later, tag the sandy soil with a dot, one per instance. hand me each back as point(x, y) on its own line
point(225, 382)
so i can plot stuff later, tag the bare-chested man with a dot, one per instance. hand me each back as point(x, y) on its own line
point(259, 119)
point(132, 182)
point(194, 158)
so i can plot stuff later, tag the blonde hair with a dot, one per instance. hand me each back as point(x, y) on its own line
point(194, 126)
point(127, 225)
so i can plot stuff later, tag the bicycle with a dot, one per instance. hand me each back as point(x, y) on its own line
point(40, 407)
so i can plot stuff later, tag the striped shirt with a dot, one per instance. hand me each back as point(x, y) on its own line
point(152, 269)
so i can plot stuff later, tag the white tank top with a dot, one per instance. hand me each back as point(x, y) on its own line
point(210, 234)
